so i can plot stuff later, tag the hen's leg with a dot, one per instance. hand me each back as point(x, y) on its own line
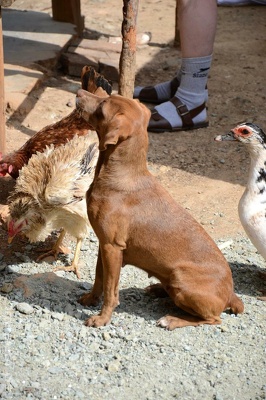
point(57, 248)
point(74, 266)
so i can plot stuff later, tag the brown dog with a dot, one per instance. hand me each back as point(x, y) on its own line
point(138, 223)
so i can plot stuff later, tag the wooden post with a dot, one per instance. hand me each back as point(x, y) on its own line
point(68, 11)
point(177, 34)
point(127, 63)
point(2, 93)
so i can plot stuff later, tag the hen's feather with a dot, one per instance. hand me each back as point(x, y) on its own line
point(50, 191)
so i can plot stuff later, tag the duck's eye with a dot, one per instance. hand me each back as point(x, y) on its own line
point(245, 131)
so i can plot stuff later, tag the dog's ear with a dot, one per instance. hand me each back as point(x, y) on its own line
point(119, 130)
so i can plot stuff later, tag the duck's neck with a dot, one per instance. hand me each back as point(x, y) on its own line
point(257, 172)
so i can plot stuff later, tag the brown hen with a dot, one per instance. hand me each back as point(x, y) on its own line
point(58, 133)
point(49, 195)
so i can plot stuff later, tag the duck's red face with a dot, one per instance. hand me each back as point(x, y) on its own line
point(242, 131)
point(248, 133)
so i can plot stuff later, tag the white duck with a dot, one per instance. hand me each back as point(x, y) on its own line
point(252, 205)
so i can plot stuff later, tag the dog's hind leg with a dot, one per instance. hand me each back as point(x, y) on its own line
point(169, 322)
point(201, 308)
point(157, 290)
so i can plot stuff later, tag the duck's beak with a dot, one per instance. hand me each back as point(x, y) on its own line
point(227, 137)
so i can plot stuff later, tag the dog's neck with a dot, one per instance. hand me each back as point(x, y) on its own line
point(123, 167)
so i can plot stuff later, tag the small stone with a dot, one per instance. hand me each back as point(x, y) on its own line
point(13, 269)
point(113, 366)
point(55, 370)
point(83, 332)
point(46, 363)
point(74, 357)
point(35, 385)
point(7, 288)
point(106, 336)
point(24, 308)
point(79, 394)
point(2, 267)
point(224, 329)
point(58, 316)
point(2, 388)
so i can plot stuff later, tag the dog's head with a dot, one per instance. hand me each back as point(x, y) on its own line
point(115, 118)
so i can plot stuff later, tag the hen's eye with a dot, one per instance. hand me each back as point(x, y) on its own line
point(245, 131)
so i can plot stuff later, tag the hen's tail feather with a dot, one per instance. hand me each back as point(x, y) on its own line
point(89, 160)
point(92, 80)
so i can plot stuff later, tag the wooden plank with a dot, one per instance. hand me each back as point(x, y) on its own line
point(96, 45)
point(95, 53)
point(109, 69)
point(2, 93)
point(72, 63)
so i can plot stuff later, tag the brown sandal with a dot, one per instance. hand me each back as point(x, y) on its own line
point(149, 95)
point(159, 124)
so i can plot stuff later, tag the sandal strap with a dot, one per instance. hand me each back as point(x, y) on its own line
point(148, 93)
point(174, 86)
point(185, 114)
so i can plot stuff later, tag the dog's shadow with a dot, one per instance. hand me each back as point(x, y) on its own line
point(47, 292)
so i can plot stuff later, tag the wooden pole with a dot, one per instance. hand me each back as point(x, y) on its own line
point(177, 34)
point(2, 93)
point(127, 63)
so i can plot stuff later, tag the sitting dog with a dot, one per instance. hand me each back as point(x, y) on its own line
point(137, 222)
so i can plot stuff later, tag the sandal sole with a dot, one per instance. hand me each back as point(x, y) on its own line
point(196, 126)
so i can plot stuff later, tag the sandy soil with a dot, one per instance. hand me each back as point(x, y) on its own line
point(206, 177)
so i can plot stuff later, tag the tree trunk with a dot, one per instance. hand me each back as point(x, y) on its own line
point(127, 63)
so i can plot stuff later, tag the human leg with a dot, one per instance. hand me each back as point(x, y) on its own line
point(197, 24)
point(186, 110)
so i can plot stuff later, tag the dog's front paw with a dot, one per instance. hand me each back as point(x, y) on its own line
point(89, 299)
point(96, 321)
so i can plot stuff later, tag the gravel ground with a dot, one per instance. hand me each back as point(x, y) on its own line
point(50, 354)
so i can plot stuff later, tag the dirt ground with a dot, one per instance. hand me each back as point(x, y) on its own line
point(206, 177)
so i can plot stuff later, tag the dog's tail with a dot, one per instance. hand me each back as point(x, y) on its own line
point(236, 304)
